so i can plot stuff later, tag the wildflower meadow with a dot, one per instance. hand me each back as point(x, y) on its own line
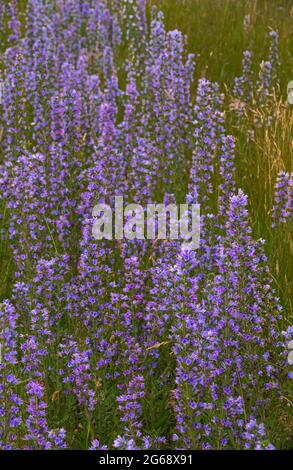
point(146, 342)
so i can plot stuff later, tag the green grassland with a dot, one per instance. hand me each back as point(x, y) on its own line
point(218, 32)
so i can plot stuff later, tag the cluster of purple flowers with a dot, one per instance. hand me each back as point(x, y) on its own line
point(224, 340)
point(97, 102)
point(252, 93)
point(283, 200)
